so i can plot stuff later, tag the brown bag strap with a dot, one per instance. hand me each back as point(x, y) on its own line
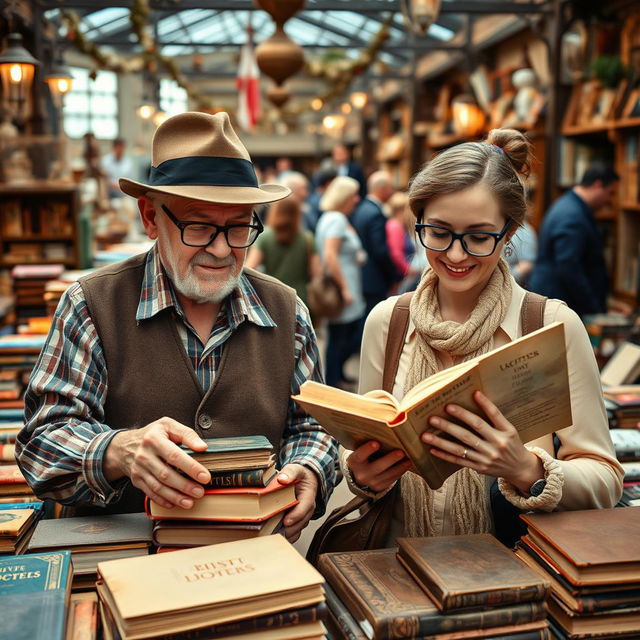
point(532, 312)
point(398, 327)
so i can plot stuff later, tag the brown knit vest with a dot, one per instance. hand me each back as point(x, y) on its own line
point(151, 376)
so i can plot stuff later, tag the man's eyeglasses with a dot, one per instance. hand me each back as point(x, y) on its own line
point(476, 243)
point(202, 234)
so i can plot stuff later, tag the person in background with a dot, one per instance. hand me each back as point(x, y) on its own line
point(401, 247)
point(570, 264)
point(284, 250)
point(520, 253)
point(115, 164)
point(341, 254)
point(379, 273)
point(321, 180)
point(176, 345)
point(467, 202)
point(344, 166)
point(283, 167)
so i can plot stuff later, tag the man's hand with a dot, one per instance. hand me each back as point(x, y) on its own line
point(306, 488)
point(150, 456)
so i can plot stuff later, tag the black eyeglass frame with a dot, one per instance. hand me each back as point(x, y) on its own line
point(218, 228)
point(460, 236)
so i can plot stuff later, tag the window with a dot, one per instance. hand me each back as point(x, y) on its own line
point(173, 98)
point(92, 105)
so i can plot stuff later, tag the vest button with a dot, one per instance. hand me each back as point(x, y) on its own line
point(204, 421)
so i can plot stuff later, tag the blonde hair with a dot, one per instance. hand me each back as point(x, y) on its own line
point(340, 189)
point(501, 163)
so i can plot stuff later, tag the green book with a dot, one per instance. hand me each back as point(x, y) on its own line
point(231, 454)
point(34, 592)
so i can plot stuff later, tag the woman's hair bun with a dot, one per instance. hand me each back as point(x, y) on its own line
point(515, 145)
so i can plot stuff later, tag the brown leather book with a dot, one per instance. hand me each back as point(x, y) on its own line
point(460, 572)
point(592, 625)
point(387, 603)
point(591, 547)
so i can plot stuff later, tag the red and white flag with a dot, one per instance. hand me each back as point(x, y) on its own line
point(248, 85)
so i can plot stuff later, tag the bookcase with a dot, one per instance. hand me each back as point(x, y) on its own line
point(39, 223)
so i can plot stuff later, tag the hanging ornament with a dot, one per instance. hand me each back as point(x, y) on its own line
point(278, 95)
point(279, 57)
point(419, 15)
point(280, 10)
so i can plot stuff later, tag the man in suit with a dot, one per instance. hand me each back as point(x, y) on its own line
point(344, 166)
point(379, 272)
point(176, 345)
point(570, 263)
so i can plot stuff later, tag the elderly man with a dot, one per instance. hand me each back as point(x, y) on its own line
point(177, 345)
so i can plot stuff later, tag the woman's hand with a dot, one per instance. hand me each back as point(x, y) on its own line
point(378, 474)
point(347, 298)
point(490, 445)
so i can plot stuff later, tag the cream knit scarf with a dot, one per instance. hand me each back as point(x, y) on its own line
point(469, 504)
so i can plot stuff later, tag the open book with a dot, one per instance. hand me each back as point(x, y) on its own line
point(527, 379)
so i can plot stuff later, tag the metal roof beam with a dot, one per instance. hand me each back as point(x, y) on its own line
point(359, 6)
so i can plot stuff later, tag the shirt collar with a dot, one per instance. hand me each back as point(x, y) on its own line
point(157, 293)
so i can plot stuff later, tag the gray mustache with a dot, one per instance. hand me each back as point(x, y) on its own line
point(212, 262)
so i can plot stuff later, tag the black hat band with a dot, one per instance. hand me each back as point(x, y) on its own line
point(204, 170)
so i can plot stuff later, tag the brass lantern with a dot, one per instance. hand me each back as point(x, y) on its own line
point(468, 117)
point(60, 81)
point(17, 67)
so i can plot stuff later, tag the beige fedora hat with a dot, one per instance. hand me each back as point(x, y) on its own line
point(199, 156)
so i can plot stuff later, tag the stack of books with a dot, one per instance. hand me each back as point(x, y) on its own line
point(34, 592)
point(261, 586)
point(92, 540)
point(444, 588)
point(13, 485)
point(243, 500)
point(54, 289)
point(17, 523)
point(28, 288)
point(623, 406)
point(592, 560)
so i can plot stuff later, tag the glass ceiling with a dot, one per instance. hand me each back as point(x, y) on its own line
point(182, 32)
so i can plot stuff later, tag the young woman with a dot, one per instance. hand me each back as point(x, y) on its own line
point(284, 250)
point(468, 202)
point(342, 256)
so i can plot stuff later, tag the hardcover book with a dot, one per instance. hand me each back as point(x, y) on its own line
point(527, 379)
point(228, 454)
point(183, 590)
point(572, 542)
point(83, 616)
point(34, 592)
point(623, 367)
point(242, 478)
point(460, 572)
point(574, 599)
point(182, 533)
point(588, 625)
point(237, 504)
point(387, 603)
point(12, 482)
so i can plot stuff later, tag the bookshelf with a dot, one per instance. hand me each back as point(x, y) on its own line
point(39, 224)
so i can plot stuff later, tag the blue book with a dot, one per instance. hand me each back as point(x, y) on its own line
point(36, 506)
point(34, 592)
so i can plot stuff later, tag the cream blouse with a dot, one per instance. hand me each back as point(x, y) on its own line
point(586, 458)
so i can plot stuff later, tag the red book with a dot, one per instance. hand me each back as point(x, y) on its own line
point(234, 504)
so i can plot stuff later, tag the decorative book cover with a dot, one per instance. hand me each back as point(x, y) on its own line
point(388, 604)
point(594, 546)
point(242, 452)
point(14, 521)
point(259, 477)
point(460, 572)
point(34, 593)
point(182, 590)
point(91, 531)
point(236, 503)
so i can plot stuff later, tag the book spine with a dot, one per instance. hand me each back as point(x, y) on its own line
point(500, 597)
point(340, 616)
point(85, 620)
point(7, 452)
point(246, 478)
point(272, 621)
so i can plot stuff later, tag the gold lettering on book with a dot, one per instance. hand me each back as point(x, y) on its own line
point(17, 572)
point(219, 569)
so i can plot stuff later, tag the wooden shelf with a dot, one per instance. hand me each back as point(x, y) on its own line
point(585, 129)
point(40, 238)
point(630, 206)
point(627, 122)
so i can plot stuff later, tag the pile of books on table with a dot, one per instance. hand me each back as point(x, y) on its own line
point(444, 588)
point(29, 282)
point(13, 485)
point(17, 524)
point(262, 587)
point(93, 539)
point(243, 500)
point(592, 560)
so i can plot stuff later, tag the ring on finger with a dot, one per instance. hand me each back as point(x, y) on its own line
point(464, 454)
